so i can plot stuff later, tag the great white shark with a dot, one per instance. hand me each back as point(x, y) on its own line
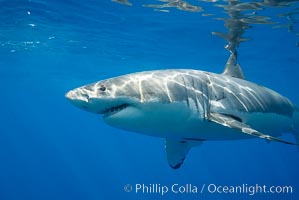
point(188, 107)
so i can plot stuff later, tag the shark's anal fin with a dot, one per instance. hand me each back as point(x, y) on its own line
point(232, 68)
point(230, 122)
point(177, 150)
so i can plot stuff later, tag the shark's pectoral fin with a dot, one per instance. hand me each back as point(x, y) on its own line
point(177, 150)
point(231, 122)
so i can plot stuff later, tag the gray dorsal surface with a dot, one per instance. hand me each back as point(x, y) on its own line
point(214, 91)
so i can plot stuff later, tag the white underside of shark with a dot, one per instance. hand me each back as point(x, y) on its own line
point(184, 123)
point(188, 107)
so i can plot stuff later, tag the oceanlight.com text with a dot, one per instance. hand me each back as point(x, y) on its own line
point(211, 188)
point(249, 189)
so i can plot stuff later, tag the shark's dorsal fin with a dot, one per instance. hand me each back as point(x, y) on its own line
point(226, 120)
point(232, 68)
point(177, 150)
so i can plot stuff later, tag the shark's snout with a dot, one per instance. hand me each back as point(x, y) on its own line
point(77, 98)
point(100, 102)
point(77, 95)
point(69, 95)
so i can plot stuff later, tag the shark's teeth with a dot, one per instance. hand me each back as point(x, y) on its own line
point(113, 110)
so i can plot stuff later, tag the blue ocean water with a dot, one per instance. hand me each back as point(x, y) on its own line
point(52, 150)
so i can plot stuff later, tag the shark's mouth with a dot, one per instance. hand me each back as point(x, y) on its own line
point(113, 110)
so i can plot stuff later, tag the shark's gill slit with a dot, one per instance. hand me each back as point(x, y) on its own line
point(186, 92)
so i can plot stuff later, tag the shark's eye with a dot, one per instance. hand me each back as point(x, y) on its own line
point(102, 88)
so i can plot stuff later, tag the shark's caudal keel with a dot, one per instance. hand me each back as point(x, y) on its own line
point(188, 107)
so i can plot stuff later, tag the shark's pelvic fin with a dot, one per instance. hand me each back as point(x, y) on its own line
point(232, 68)
point(177, 150)
point(230, 122)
